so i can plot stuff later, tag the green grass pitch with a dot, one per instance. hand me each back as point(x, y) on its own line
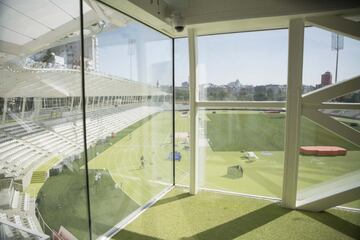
point(125, 185)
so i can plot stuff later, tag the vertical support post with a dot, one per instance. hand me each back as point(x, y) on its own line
point(72, 103)
point(80, 103)
point(293, 112)
point(4, 110)
point(103, 102)
point(193, 112)
point(86, 103)
point(93, 102)
point(23, 107)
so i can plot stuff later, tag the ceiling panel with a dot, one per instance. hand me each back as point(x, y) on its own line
point(71, 7)
point(13, 37)
point(42, 11)
point(19, 23)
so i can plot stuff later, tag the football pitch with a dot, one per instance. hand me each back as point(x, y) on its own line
point(120, 181)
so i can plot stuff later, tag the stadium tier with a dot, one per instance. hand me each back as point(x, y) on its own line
point(47, 129)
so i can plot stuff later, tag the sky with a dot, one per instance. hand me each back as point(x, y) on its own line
point(255, 58)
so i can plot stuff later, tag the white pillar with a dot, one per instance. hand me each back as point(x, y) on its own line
point(86, 103)
point(293, 112)
point(93, 102)
point(103, 101)
point(72, 103)
point(4, 110)
point(194, 182)
point(23, 108)
point(80, 102)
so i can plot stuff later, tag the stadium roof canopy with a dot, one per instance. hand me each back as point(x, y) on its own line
point(27, 28)
point(56, 83)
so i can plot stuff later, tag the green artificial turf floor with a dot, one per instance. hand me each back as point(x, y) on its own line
point(213, 216)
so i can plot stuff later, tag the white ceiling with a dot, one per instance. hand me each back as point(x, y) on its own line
point(24, 21)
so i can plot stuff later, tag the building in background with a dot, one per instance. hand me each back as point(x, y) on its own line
point(326, 79)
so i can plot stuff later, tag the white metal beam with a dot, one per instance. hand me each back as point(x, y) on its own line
point(335, 192)
point(332, 91)
point(293, 112)
point(332, 105)
point(337, 24)
point(241, 104)
point(193, 111)
point(10, 48)
point(344, 131)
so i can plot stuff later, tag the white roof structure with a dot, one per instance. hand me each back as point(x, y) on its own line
point(35, 16)
point(56, 83)
point(27, 28)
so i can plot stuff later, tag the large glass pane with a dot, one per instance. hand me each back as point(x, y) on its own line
point(128, 117)
point(182, 108)
point(329, 160)
point(242, 150)
point(321, 49)
point(247, 66)
point(325, 158)
point(41, 142)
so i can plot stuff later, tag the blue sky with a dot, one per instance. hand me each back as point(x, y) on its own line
point(255, 58)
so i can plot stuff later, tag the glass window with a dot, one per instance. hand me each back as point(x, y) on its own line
point(182, 114)
point(129, 142)
point(242, 150)
point(247, 66)
point(326, 159)
point(43, 181)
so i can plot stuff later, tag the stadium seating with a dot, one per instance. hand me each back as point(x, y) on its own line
point(27, 144)
point(11, 233)
point(100, 125)
point(16, 158)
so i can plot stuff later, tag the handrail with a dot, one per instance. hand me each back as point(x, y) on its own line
point(24, 229)
point(46, 225)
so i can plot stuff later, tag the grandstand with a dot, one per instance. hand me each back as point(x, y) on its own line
point(42, 124)
point(27, 140)
point(26, 143)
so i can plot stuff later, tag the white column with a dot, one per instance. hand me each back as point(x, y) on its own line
point(293, 112)
point(86, 103)
point(103, 101)
point(4, 110)
point(93, 102)
point(72, 103)
point(194, 182)
point(23, 107)
point(80, 102)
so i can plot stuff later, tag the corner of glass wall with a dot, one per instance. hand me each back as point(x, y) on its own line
point(129, 116)
point(327, 157)
point(182, 112)
point(42, 180)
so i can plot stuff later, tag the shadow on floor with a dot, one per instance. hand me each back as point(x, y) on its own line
point(336, 223)
point(242, 225)
point(172, 199)
point(129, 235)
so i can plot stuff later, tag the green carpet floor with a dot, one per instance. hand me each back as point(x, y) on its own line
point(214, 216)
